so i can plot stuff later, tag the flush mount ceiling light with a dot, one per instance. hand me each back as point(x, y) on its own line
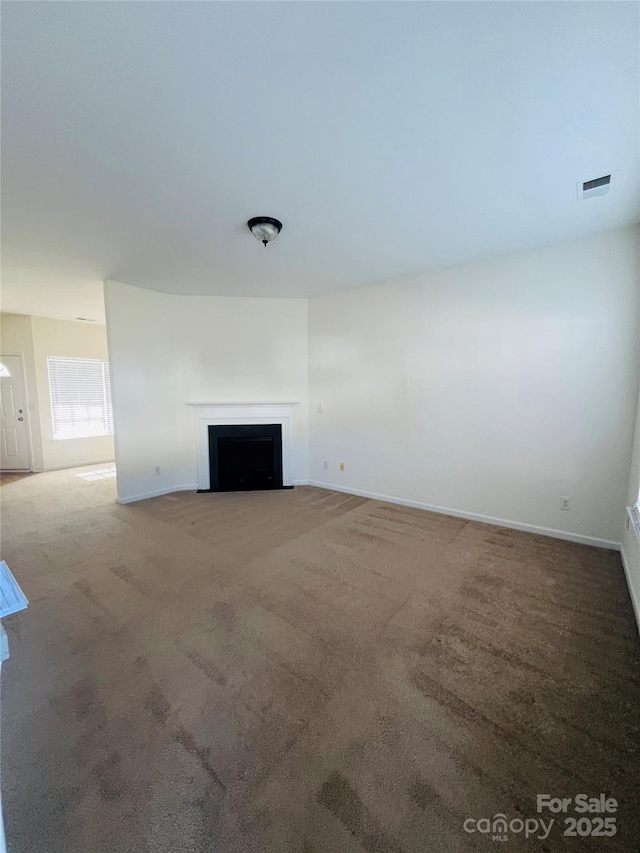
point(265, 228)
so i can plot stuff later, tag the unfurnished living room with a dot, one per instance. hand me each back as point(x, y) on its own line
point(320, 446)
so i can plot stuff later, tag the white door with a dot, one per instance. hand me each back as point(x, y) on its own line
point(14, 438)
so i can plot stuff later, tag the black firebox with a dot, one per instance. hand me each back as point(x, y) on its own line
point(245, 457)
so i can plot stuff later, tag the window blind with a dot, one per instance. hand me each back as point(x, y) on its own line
point(106, 380)
point(80, 397)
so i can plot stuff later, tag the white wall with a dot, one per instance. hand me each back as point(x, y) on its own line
point(166, 351)
point(64, 338)
point(37, 338)
point(491, 389)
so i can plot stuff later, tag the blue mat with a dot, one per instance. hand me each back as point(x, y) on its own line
point(12, 598)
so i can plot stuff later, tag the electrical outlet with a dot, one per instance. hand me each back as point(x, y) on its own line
point(565, 503)
point(319, 408)
point(325, 465)
point(158, 470)
point(342, 466)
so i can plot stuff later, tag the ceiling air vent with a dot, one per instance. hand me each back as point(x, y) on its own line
point(594, 187)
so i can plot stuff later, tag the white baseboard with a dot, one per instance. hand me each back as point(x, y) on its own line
point(471, 516)
point(73, 465)
point(635, 601)
point(192, 487)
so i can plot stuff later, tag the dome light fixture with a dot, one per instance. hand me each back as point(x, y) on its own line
point(265, 228)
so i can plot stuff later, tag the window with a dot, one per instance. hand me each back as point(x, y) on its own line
point(80, 397)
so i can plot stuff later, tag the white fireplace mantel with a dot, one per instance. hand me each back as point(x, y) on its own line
point(214, 414)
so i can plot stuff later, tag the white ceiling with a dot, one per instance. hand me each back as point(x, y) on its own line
point(390, 138)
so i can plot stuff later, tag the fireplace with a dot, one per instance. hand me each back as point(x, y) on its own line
point(245, 457)
point(229, 416)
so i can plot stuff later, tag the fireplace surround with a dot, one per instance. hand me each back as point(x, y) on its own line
point(237, 415)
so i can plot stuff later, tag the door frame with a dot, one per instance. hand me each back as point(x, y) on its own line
point(26, 412)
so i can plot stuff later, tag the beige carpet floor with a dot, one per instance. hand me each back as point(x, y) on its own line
point(304, 672)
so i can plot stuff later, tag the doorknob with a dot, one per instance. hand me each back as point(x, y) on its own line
point(20, 419)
